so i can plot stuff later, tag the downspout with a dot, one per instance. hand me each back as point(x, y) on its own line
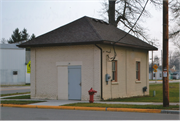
point(101, 71)
point(35, 73)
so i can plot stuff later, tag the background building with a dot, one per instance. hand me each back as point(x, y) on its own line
point(13, 65)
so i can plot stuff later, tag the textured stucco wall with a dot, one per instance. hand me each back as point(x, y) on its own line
point(47, 62)
point(49, 78)
point(127, 85)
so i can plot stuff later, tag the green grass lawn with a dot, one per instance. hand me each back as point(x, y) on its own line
point(2, 95)
point(18, 102)
point(14, 85)
point(173, 107)
point(173, 94)
point(154, 80)
point(19, 97)
point(173, 97)
point(162, 80)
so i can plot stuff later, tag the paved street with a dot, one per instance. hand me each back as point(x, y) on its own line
point(8, 113)
point(14, 89)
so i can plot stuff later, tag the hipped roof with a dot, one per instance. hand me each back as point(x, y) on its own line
point(87, 30)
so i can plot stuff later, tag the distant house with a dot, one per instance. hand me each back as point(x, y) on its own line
point(156, 75)
point(68, 61)
point(173, 74)
point(12, 65)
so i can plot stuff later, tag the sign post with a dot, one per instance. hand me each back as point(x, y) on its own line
point(155, 70)
point(155, 66)
point(29, 67)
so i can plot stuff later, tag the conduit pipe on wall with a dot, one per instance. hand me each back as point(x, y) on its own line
point(101, 72)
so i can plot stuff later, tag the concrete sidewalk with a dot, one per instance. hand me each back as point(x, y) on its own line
point(57, 104)
point(14, 87)
point(63, 102)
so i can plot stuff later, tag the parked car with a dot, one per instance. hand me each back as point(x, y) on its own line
point(175, 75)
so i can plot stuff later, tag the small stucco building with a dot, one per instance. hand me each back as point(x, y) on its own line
point(68, 61)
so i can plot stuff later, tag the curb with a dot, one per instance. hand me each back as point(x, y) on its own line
point(88, 108)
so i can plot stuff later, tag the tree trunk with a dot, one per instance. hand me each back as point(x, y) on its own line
point(111, 12)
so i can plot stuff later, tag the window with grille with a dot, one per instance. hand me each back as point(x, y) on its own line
point(114, 70)
point(138, 71)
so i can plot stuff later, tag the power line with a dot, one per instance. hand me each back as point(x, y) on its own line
point(134, 23)
point(128, 31)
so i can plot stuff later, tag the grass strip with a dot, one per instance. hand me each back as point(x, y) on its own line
point(162, 80)
point(172, 107)
point(2, 95)
point(19, 97)
point(18, 102)
point(154, 80)
point(173, 94)
point(14, 85)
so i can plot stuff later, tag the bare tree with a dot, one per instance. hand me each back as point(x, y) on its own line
point(156, 60)
point(155, 42)
point(124, 13)
point(175, 32)
point(174, 59)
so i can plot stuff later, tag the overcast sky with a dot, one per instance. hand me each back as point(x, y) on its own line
point(42, 16)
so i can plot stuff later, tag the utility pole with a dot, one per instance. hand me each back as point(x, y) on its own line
point(165, 55)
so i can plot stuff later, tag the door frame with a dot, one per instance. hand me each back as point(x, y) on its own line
point(62, 78)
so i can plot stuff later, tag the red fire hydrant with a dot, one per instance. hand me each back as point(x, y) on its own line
point(91, 95)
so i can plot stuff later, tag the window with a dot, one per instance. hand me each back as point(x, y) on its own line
point(154, 75)
point(138, 71)
point(15, 73)
point(160, 75)
point(114, 71)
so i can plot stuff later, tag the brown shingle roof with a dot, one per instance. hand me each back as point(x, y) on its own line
point(84, 31)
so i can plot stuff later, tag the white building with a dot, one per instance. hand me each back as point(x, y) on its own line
point(12, 65)
point(156, 75)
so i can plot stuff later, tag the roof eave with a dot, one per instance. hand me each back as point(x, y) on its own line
point(130, 45)
point(83, 43)
point(59, 44)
